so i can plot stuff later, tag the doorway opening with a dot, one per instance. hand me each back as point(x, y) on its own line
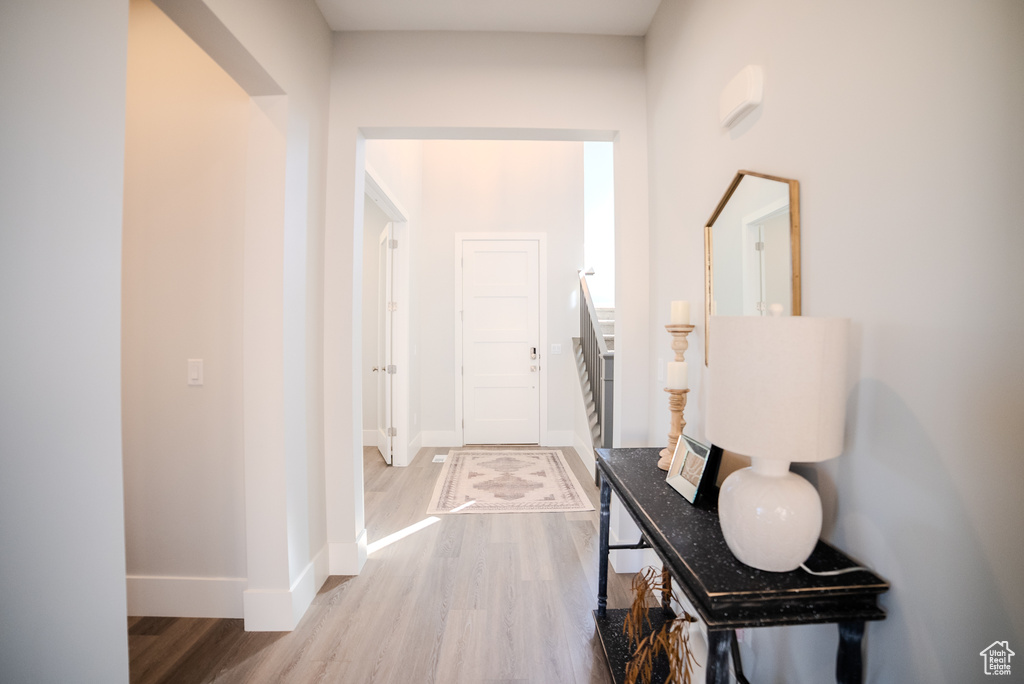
point(508, 190)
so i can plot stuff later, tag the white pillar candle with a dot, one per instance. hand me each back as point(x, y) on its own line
point(680, 313)
point(677, 375)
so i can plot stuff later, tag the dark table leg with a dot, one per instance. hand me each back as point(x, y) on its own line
point(737, 662)
point(849, 663)
point(602, 563)
point(719, 645)
point(666, 589)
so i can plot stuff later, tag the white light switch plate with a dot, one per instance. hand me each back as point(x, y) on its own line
point(556, 349)
point(195, 372)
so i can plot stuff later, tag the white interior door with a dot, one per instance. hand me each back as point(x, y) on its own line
point(766, 251)
point(501, 321)
point(385, 277)
point(752, 270)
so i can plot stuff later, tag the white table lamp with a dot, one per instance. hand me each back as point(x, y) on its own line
point(776, 393)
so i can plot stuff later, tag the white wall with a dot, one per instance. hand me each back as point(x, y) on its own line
point(184, 222)
point(476, 86)
point(599, 221)
point(278, 50)
point(902, 123)
point(62, 586)
point(501, 187)
point(292, 42)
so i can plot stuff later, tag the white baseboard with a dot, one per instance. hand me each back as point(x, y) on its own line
point(415, 445)
point(440, 438)
point(348, 558)
point(308, 583)
point(270, 610)
point(202, 597)
point(369, 438)
point(585, 451)
point(555, 438)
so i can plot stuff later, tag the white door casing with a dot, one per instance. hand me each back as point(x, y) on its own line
point(385, 270)
point(501, 341)
point(399, 335)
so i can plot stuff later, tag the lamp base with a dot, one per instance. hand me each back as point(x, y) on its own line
point(770, 517)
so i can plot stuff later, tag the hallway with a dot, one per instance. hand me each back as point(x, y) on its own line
point(473, 598)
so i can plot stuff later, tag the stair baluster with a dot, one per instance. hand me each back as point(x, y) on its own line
point(599, 365)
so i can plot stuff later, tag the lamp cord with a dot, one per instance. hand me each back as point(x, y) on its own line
point(831, 573)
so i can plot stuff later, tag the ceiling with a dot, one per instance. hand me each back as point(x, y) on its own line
point(603, 17)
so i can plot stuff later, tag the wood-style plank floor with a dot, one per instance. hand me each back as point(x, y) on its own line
point(471, 598)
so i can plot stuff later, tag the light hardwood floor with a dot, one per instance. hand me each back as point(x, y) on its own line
point(472, 598)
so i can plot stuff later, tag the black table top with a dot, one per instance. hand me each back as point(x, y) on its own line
point(727, 593)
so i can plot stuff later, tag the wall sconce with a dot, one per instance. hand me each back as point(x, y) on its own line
point(742, 96)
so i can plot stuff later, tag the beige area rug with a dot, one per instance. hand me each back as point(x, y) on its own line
point(507, 481)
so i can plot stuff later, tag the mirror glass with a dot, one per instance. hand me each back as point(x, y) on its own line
point(752, 250)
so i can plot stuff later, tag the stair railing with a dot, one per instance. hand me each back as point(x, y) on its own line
point(599, 362)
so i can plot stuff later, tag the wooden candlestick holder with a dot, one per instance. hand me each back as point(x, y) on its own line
point(676, 404)
point(677, 397)
point(679, 341)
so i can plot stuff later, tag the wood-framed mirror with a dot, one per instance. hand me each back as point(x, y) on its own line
point(752, 250)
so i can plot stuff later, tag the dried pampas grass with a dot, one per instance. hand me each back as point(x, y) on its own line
point(673, 639)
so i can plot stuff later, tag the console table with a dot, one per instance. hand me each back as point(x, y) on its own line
point(726, 594)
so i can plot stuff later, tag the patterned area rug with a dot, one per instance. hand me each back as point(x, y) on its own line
point(497, 481)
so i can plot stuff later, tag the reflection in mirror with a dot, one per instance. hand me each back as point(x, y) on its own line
point(751, 258)
point(752, 250)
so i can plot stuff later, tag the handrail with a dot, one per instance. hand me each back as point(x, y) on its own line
point(591, 311)
point(599, 362)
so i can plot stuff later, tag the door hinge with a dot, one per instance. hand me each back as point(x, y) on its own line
point(758, 246)
point(392, 432)
point(762, 306)
point(392, 369)
point(392, 306)
point(392, 244)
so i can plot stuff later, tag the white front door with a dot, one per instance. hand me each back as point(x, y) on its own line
point(501, 321)
point(385, 270)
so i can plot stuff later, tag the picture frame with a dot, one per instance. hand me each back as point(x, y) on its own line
point(694, 470)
